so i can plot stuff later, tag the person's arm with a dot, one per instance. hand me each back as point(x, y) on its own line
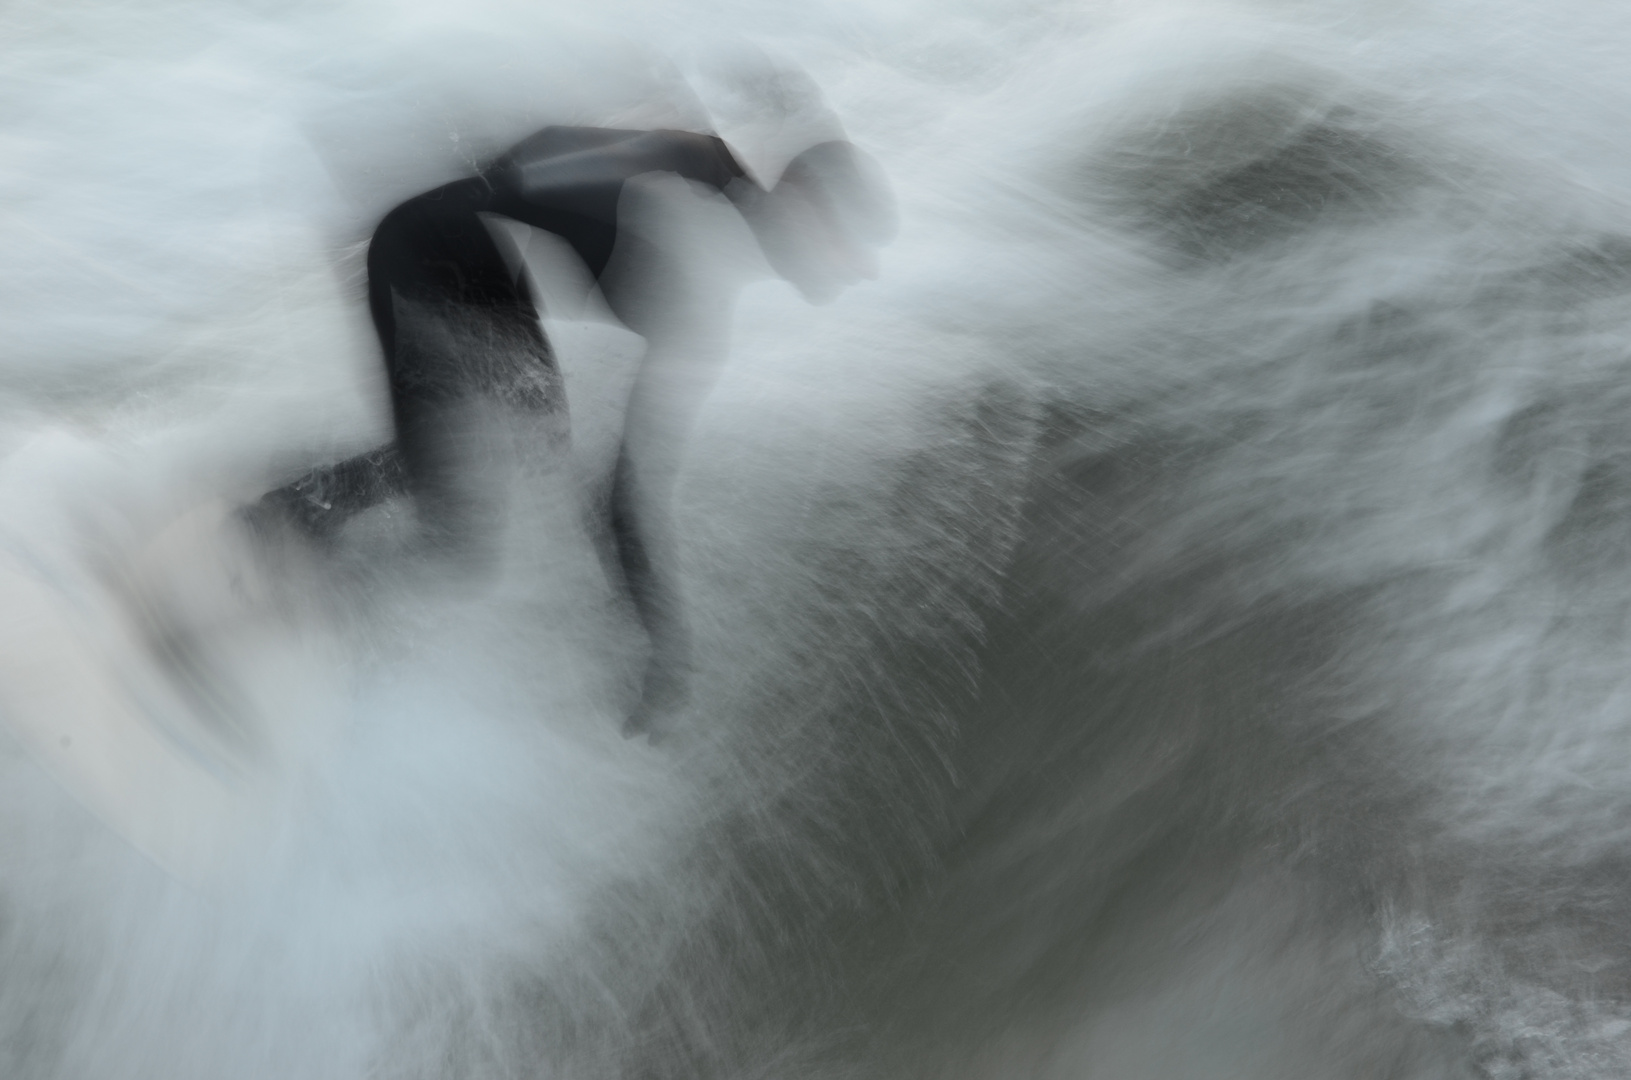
point(818, 226)
point(568, 181)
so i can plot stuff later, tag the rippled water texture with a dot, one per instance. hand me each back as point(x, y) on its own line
point(1170, 622)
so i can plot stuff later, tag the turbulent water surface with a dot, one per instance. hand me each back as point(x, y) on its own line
point(1170, 622)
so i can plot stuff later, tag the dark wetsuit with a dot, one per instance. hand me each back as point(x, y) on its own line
point(456, 323)
point(434, 255)
point(458, 326)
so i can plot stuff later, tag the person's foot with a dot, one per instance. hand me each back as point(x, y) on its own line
point(319, 504)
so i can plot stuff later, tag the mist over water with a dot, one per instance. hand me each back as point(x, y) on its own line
point(1169, 623)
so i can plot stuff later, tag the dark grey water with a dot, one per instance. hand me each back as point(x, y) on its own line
point(1170, 624)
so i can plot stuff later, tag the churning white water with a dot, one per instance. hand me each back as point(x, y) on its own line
point(1172, 622)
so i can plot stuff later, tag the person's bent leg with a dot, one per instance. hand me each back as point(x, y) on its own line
point(457, 329)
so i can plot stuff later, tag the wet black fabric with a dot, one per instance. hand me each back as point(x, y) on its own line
point(457, 324)
point(433, 255)
point(434, 252)
point(567, 181)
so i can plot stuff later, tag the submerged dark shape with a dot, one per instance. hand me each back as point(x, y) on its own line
point(458, 325)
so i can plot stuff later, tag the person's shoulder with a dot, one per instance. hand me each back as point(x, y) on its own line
point(695, 155)
point(559, 140)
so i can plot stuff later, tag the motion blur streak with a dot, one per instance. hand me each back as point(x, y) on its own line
point(1171, 623)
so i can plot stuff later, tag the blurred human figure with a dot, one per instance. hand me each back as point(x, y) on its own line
point(459, 330)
